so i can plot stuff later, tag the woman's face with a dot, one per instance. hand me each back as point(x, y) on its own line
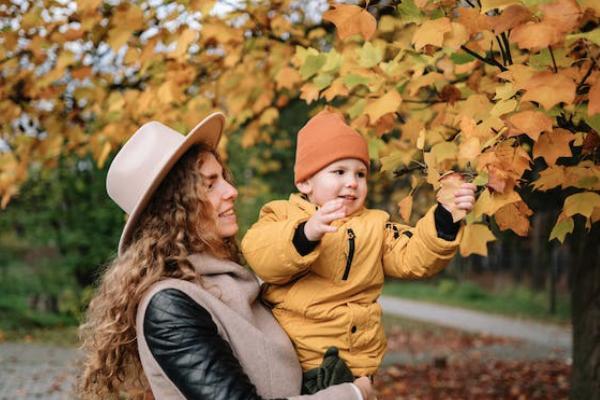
point(221, 195)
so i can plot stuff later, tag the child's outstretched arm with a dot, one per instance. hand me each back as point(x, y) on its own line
point(426, 249)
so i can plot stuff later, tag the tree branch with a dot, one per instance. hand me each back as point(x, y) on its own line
point(553, 59)
point(506, 47)
point(489, 61)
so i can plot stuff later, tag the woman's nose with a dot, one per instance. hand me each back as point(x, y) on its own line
point(230, 192)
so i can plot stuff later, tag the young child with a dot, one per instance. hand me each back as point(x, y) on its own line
point(323, 255)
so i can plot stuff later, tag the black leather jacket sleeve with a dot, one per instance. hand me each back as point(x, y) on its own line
point(185, 342)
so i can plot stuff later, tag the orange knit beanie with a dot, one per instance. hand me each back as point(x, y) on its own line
point(324, 139)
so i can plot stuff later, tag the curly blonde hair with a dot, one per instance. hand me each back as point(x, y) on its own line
point(176, 223)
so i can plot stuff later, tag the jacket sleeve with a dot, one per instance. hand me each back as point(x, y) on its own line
point(185, 342)
point(417, 252)
point(268, 246)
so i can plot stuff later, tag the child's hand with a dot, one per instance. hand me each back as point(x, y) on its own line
point(319, 224)
point(464, 198)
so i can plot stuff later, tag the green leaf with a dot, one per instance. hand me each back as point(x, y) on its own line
point(409, 12)
point(357, 108)
point(375, 145)
point(461, 58)
point(369, 55)
point(593, 36)
point(561, 229)
point(312, 65)
point(594, 121)
point(333, 63)
point(322, 80)
point(353, 80)
point(392, 162)
point(481, 179)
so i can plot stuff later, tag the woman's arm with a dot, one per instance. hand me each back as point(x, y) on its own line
point(185, 342)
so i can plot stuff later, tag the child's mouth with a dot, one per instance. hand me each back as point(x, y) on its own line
point(350, 198)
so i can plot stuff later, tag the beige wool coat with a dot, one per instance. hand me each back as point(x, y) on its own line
point(229, 292)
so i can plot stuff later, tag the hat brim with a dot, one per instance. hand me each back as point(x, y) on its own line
point(209, 132)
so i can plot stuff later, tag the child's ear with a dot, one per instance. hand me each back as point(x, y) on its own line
point(305, 187)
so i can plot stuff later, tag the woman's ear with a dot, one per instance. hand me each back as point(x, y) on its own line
point(305, 187)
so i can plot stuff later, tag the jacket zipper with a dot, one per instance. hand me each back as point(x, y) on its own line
point(351, 237)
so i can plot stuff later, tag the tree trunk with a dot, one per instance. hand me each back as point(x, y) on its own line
point(585, 314)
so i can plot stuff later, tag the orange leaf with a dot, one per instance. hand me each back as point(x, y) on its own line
point(287, 77)
point(549, 89)
point(449, 184)
point(488, 203)
point(594, 96)
point(514, 217)
point(562, 14)
point(532, 123)
point(553, 145)
point(388, 103)
point(431, 32)
point(309, 92)
point(473, 20)
point(536, 35)
point(511, 17)
point(475, 239)
point(405, 206)
point(351, 20)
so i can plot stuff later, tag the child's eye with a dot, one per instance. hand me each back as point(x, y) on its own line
point(339, 172)
point(361, 174)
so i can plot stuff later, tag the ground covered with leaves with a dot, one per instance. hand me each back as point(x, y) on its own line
point(446, 364)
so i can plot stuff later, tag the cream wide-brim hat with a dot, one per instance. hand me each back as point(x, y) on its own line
point(146, 158)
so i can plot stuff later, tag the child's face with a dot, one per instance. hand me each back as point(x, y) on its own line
point(345, 178)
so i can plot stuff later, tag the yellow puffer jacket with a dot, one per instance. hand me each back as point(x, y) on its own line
point(329, 297)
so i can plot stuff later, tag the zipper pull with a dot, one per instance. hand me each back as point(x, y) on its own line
point(351, 238)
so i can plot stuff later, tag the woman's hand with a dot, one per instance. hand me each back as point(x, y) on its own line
point(366, 389)
point(320, 223)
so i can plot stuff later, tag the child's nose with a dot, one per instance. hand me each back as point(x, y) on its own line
point(352, 183)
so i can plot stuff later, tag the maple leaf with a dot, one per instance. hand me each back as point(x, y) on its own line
point(532, 123)
point(287, 78)
point(581, 203)
point(562, 228)
point(475, 239)
point(511, 17)
point(514, 216)
point(309, 92)
point(386, 104)
point(549, 89)
point(563, 14)
point(594, 98)
point(536, 35)
point(351, 20)
point(449, 184)
point(553, 145)
point(405, 206)
point(550, 178)
point(488, 203)
point(431, 32)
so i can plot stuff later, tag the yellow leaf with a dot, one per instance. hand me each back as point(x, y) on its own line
point(457, 36)
point(487, 5)
point(184, 39)
point(405, 206)
point(449, 184)
point(550, 178)
point(562, 227)
point(431, 32)
point(581, 203)
point(553, 145)
point(532, 123)
point(117, 37)
point(503, 107)
point(104, 155)
point(444, 151)
point(269, 116)
point(351, 20)
point(549, 89)
point(287, 78)
point(489, 203)
point(475, 239)
point(388, 103)
point(469, 149)
point(337, 88)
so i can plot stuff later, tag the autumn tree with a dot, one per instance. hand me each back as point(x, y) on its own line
point(503, 92)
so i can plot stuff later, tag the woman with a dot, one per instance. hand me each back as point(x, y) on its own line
point(174, 312)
